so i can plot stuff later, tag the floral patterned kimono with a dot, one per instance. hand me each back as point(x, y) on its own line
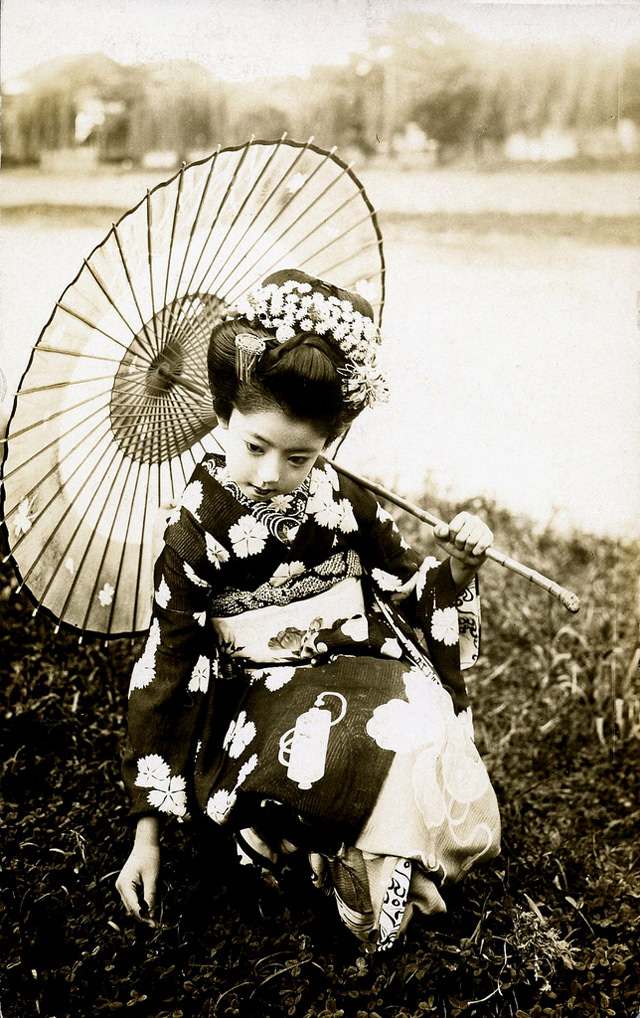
point(302, 684)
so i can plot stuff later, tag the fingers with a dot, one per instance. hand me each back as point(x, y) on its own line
point(139, 902)
point(467, 537)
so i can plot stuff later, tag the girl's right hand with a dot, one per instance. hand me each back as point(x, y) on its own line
point(138, 878)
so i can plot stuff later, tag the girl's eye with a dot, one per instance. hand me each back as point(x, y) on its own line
point(255, 449)
point(298, 461)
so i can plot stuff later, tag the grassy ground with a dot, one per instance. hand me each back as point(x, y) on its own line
point(550, 928)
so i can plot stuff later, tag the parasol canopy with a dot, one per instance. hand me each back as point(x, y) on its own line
point(113, 411)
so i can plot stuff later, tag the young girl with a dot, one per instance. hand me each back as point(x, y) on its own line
point(301, 682)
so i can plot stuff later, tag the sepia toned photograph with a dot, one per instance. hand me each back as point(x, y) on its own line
point(320, 508)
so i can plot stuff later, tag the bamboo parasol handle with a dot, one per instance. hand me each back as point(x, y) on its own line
point(566, 598)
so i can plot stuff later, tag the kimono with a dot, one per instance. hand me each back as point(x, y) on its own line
point(302, 684)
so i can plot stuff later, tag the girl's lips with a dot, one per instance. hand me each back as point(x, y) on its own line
point(264, 492)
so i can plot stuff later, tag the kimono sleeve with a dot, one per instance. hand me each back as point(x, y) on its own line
point(170, 680)
point(447, 620)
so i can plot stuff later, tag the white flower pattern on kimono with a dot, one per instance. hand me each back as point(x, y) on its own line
point(357, 628)
point(163, 593)
point(281, 503)
point(144, 670)
point(193, 576)
point(444, 626)
point(323, 478)
point(383, 516)
point(391, 648)
point(220, 805)
point(170, 796)
point(463, 772)
point(216, 552)
point(152, 770)
point(385, 580)
point(199, 682)
point(430, 562)
point(348, 523)
point(174, 516)
point(325, 510)
point(286, 571)
point(246, 769)
point(200, 618)
point(276, 678)
point(406, 725)
point(248, 536)
point(192, 498)
point(239, 734)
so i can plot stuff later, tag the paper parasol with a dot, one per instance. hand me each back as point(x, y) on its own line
point(110, 417)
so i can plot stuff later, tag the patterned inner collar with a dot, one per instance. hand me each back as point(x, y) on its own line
point(281, 515)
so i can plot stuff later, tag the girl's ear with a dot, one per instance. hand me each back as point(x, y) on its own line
point(224, 424)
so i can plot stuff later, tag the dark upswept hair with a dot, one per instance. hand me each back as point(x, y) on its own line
point(301, 377)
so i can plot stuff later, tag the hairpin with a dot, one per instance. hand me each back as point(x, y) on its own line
point(249, 349)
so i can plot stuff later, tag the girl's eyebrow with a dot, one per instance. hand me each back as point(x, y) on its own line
point(301, 450)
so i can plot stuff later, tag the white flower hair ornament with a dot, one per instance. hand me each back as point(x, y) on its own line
point(295, 307)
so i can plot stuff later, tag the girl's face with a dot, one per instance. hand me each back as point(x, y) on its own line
point(268, 453)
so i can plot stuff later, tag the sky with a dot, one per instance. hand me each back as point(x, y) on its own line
point(242, 39)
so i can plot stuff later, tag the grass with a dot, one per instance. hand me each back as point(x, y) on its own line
point(549, 928)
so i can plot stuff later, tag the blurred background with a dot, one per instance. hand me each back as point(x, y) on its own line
point(500, 144)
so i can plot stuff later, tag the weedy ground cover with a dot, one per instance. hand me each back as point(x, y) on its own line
point(551, 927)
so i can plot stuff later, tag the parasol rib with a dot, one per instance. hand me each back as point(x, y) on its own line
point(115, 307)
point(174, 223)
point(216, 219)
point(52, 417)
point(196, 219)
point(63, 517)
point(274, 191)
point(86, 549)
point(103, 558)
point(235, 219)
point(308, 208)
point(92, 325)
point(134, 612)
point(31, 459)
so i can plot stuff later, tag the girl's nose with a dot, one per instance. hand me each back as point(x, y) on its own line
point(269, 471)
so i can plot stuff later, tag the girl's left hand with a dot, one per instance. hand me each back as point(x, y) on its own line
point(466, 539)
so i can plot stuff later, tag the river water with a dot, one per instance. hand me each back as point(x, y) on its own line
point(513, 364)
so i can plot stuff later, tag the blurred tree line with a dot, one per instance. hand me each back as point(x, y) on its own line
point(426, 84)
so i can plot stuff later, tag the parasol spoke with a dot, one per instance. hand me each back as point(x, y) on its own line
point(121, 563)
point(242, 206)
point(154, 325)
point(196, 219)
point(172, 241)
point(105, 550)
point(63, 385)
point(59, 413)
point(216, 219)
point(291, 198)
point(77, 574)
point(92, 325)
point(149, 349)
point(77, 354)
point(278, 239)
point(57, 494)
point(10, 474)
point(113, 304)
